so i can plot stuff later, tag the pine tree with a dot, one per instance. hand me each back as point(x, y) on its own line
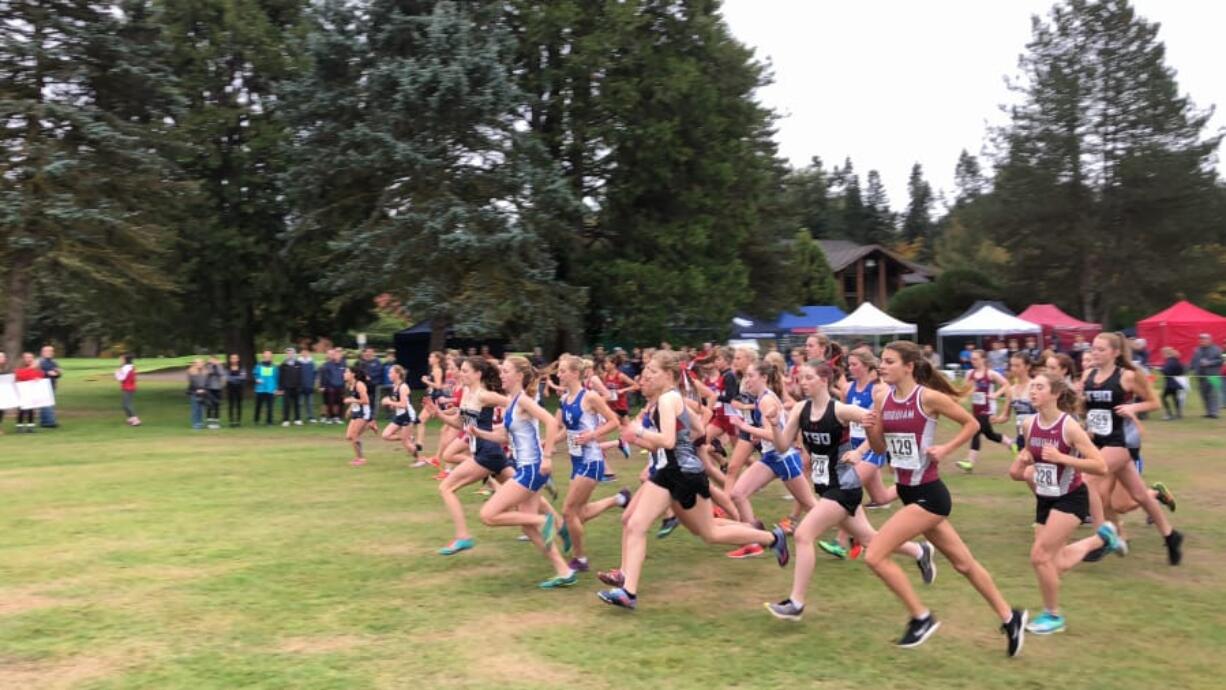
point(969, 182)
point(854, 217)
point(410, 149)
point(879, 228)
point(809, 263)
point(85, 183)
point(917, 225)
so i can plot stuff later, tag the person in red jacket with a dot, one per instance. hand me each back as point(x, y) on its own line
point(28, 371)
point(126, 376)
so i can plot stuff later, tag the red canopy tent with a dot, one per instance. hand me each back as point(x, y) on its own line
point(1179, 326)
point(1057, 324)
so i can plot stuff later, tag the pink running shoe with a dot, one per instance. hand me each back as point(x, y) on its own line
point(357, 462)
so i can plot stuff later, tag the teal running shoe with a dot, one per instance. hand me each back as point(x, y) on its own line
point(548, 530)
point(1111, 539)
point(560, 581)
point(834, 549)
point(455, 547)
point(564, 533)
point(1046, 624)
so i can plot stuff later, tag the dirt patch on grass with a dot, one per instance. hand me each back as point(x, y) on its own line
point(15, 602)
point(79, 511)
point(65, 673)
point(320, 645)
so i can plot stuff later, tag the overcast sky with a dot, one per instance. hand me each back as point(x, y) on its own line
point(893, 82)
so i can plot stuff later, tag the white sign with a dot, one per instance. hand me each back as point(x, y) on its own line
point(8, 392)
point(35, 394)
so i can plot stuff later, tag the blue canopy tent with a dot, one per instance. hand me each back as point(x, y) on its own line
point(810, 319)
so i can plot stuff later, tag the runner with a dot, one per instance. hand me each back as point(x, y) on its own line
point(986, 385)
point(517, 503)
point(1105, 388)
point(679, 481)
point(404, 425)
point(907, 414)
point(1017, 396)
point(361, 416)
point(579, 413)
point(764, 381)
point(1056, 451)
point(821, 423)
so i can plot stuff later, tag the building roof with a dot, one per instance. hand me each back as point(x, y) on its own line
point(842, 253)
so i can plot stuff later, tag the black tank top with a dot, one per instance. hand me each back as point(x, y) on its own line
point(1106, 427)
point(822, 439)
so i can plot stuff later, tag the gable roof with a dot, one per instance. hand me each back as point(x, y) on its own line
point(842, 253)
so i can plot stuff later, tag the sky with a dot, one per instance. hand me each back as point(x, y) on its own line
point(894, 82)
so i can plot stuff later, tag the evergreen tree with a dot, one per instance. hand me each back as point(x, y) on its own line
point(409, 147)
point(853, 216)
point(1105, 193)
point(85, 184)
point(879, 228)
point(917, 225)
point(807, 198)
point(969, 182)
point(809, 263)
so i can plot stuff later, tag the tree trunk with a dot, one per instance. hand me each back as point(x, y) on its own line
point(15, 310)
point(240, 339)
point(438, 333)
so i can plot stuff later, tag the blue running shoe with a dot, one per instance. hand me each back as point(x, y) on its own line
point(1111, 539)
point(618, 597)
point(667, 527)
point(455, 547)
point(1046, 624)
point(624, 448)
point(781, 546)
point(564, 533)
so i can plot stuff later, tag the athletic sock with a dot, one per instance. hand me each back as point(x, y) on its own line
point(924, 616)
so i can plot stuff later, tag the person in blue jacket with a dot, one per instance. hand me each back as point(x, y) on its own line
point(265, 376)
point(332, 384)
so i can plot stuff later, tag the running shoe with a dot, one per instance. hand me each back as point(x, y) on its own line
point(357, 462)
point(785, 610)
point(1174, 547)
point(440, 476)
point(564, 533)
point(419, 463)
point(879, 506)
point(1015, 631)
point(746, 551)
point(1095, 555)
point(434, 461)
point(1046, 624)
point(578, 565)
point(667, 527)
point(787, 525)
point(918, 632)
point(833, 548)
point(625, 498)
point(456, 546)
point(854, 552)
point(553, 490)
point(548, 530)
point(966, 465)
point(523, 538)
point(618, 597)
point(717, 447)
point(560, 581)
point(482, 491)
point(624, 448)
point(780, 547)
point(1165, 497)
point(612, 578)
point(608, 478)
point(1111, 540)
point(926, 564)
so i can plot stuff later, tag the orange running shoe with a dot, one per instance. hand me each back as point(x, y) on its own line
point(747, 551)
point(788, 525)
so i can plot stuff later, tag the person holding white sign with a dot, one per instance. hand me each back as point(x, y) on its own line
point(907, 415)
point(5, 380)
point(821, 423)
point(1055, 454)
point(1106, 388)
point(28, 371)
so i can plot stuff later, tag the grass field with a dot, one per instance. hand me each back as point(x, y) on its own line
point(160, 557)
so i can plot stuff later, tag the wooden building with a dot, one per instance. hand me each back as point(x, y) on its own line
point(871, 272)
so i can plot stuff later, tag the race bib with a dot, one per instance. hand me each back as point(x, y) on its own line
point(1021, 423)
point(1046, 479)
point(355, 408)
point(572, 443)
point(1099, 422)
point(821, 469)
point(979, 398)
point(857, 430)
point(904, 451)
point(612, 395)
point(731, 411)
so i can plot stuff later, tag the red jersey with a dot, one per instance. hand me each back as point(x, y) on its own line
point(979, 394)
point(33, 373)
point(908, 435)
point(1051, 479)
point(617, 399)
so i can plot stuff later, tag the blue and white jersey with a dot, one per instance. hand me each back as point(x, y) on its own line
point(863, 399)
point(577, 421)
point(756, 418)
point(524, 435)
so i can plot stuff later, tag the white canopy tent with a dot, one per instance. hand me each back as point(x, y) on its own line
point(987, 320)
point(869, 320)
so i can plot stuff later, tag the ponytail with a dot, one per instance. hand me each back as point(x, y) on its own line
point(923, 373)
point(1067, 399)
point(774, 379)
point(490, 380)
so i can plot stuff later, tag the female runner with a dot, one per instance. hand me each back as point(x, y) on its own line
point(517, 502)
point(404, 426)
point(821, 423)
point(1056, 452)
point(986, 385)
point(361, 417)
point(907, 416)
point(678, 481)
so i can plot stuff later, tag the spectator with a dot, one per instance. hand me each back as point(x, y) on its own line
point(1013, 347)
point(471, 351)
point(537, 359)
point(964, 357)
point(4, 369)
point(1032, 351)
point(1172, 386)
point(265, 386)
point(30, 370)
point(289, 378)
point(374, 374)
point(385, 388)
point(932, 357)
point(1140, 352)
point(332, 384)
point(198, 391)
point(998, 357)
point(1080, 347)
point(1207, 364)
point(126, 376)
point(307, 392)
point(236, 383)
point(636, 362)
point(215, 383)
point(51, 370)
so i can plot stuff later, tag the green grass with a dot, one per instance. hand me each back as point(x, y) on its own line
point(161, 558)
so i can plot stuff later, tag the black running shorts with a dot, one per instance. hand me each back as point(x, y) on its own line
point(1075, 502)
point(685, 488)
point(933, 497)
